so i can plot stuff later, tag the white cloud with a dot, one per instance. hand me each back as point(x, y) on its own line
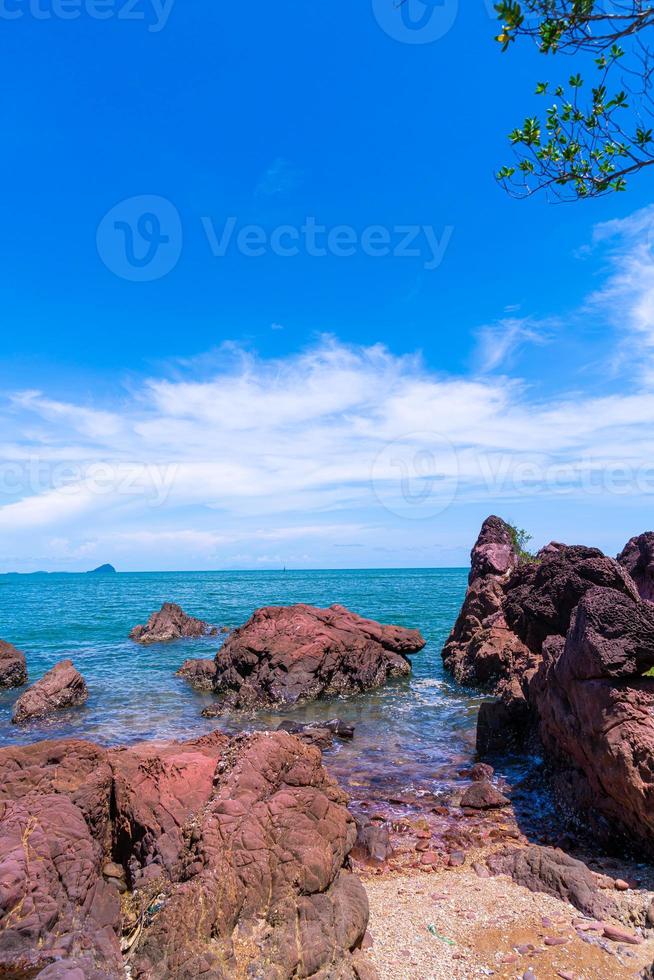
point(334, 447)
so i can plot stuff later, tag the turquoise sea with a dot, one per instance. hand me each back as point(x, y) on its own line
point(411, 736)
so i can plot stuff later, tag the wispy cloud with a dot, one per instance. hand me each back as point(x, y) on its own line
point(237, 458)
point(626, 297)
point(499, 344)
point(279, 179)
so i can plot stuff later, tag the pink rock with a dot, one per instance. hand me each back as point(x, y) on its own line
point(555, 940)
point(622, 886)
point(483, 796)
point(62, 687)
point(170, 623)
point(618, 935)
point(200, 673)
point(223, 825)
point(286, 654)
point(13, 668)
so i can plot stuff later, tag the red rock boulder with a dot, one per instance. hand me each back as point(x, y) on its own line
point(481, 648)
point(595, 714)
point(286, 654)
point(170, 623)
point(13, 668)
point(637, 557)
point(239, 848)
point(62, 687)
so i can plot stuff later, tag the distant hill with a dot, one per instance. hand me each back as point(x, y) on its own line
point(103, 570)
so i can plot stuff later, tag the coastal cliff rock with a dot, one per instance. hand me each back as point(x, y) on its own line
point(637, 557)
point(170, 623)
point(581, 691)
point(234, 851)
point(482, 649)
point(595, 714)
point(13, 668)
point(286, 654)
point(62, 687)
point(200, 673)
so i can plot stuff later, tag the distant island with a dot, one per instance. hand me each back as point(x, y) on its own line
point(100, 570)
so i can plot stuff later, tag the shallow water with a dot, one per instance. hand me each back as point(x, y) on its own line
point(411, 736)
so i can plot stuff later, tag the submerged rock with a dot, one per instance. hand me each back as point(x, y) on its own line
point(13, 667)
point(62, 687)
point(334, 725)
point(239, 848)
point(170, 623)
point(200, 673)
point(482, 795)
point(286, 654)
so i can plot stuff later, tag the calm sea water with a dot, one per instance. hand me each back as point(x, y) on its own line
point(412, 735)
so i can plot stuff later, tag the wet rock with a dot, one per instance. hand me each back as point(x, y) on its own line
point(287, 654)
point(170, 623)
point(62, 687)
point(249, 830)
point(200, 673)
point(13, 668)
point(483, 796)
point(500, 727)
point(334, 727)
point(481, 771)
point(549, 870)
point(637, 557)
point(373, 843)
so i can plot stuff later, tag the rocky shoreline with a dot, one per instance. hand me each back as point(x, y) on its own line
point(240, 856)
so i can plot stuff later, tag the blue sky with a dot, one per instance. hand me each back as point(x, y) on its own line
point(324, 404)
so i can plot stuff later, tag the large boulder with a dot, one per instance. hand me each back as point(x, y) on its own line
point(542, 595)
point(62, 687)
point(286, 654)
point(595, 714)
point(637, 557)
point(170, 623)
point(239, 848)
point(583, 690)
point(13, 668)
point(482, 649)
